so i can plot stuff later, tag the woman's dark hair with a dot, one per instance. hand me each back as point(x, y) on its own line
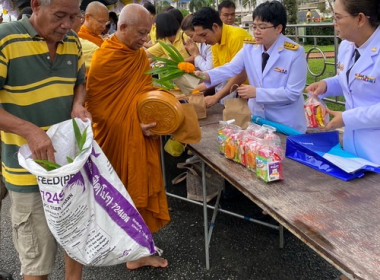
point(113, 16)
point(273, 12)
point(166, 25)
point(150, 7)
point(371, 8)
point(177, 14)
point(206, 17)
point(167, 8)
point(187, 23)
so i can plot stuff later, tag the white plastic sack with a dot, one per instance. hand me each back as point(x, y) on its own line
point(87, 207)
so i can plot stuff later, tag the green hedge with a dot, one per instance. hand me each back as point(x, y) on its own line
point(320, 30)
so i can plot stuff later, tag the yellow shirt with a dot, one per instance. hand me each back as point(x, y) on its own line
point(158, 51)
point(152, 34)
point(88, 49)
point(230, 44)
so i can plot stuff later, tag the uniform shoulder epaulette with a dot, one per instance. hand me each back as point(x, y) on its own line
point(249, 40)
point(291, 46)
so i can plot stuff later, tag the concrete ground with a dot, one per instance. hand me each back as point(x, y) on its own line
point(239, 249)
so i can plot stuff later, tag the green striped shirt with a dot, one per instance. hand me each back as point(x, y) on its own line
point(34, 88)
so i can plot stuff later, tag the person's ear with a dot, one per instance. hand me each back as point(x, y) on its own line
point(279, 28)
point(215, 27)
point(86, 17)
point(362, 19)
point(122, 27)
point(35, 5)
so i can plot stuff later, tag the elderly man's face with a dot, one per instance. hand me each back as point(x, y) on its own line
point(97, 21)
point(52, 22)
point(135, 35)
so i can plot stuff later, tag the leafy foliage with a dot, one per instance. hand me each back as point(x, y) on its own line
point(292, 9)
point(167, 68)
point(80, 140)
point(196, 5)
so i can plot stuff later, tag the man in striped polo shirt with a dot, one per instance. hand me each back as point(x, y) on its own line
point(42, 78)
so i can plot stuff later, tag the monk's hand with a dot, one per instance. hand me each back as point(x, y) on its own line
point(146, 129)
point(336, 122)
point(79, 111)
point(246, 91)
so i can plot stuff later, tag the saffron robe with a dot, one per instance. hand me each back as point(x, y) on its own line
point(115, 81)
point(86, 34)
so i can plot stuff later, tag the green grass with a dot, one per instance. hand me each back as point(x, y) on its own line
point(316, 66)
point(329, 48)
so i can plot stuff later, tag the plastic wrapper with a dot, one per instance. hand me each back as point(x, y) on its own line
point(269, 163)
point(226, 128)
point(315, 113)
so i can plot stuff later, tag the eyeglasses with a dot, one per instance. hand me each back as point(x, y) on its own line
point(261, 27)
point(228, 15)
point(339, 17)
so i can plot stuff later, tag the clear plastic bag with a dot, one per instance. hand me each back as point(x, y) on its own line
point(315, 112)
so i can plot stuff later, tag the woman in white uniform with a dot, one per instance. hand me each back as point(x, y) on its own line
point(275, 66)
point(358, 78)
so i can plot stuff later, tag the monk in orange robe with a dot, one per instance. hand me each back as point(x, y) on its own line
point(95, 20)
point(115, 81)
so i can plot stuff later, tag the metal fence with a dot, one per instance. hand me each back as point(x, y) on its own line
point(298, 33)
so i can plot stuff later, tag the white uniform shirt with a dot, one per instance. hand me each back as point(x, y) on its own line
point(362, 94)
point(279, 88)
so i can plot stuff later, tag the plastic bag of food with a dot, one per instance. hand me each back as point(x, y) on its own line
point(315, 112)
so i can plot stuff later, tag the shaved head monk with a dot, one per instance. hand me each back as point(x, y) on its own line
point(115, 82)
point(95, 20)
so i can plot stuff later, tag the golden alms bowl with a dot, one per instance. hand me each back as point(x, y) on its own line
point(162, 108)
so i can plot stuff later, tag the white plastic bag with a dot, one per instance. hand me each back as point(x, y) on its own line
point(87, 207)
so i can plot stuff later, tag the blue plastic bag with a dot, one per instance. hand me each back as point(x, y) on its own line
point(322, 151)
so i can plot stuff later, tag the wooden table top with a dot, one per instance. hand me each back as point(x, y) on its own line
point(339, 220)
point(214, 115)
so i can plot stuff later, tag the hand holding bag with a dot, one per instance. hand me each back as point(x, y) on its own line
point(237, 109)
point(87, 207)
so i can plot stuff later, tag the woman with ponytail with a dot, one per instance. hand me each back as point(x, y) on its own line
point(358, 77)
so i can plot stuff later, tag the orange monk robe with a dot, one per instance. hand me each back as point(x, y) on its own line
point(115, 81)
point(86, 34)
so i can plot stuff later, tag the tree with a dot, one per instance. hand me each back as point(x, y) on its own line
point(250, 3)
point(292, 9)
point(196, 5)
point(322, 7)
point(161, 5)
